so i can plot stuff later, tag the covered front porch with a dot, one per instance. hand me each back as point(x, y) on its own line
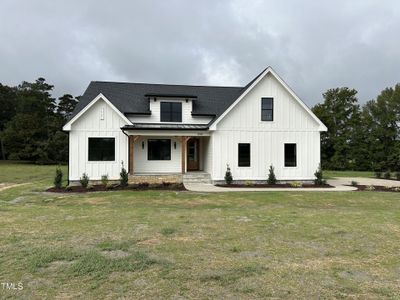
point(171, 153)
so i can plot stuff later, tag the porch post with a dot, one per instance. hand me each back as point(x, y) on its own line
point(184, 140)
point(132, 140)
point(130, 170)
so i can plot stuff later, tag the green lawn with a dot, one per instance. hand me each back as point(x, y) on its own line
point(329, 174)
point(156, 244)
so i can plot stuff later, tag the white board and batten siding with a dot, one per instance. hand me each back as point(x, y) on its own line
point(143, 165)
point(291, 124)
point(155, 109)
point(100, 120)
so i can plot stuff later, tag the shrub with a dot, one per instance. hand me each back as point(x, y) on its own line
point(387, 175)
point(228, 175)
point(397, 175)
point(123, 179)
point(271, 175)
point(319, 177)
point(354, 183)
point(84, 180)
point(109, 186)
point(104, 180)
point(370, 188)
point(378, 174)
point(69, 188)
point(143, 185)
point(248, 183)
point(296, 184)
point(166, 183)
point(58, 178)
point(90, 187)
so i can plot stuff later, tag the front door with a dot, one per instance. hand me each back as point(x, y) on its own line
point(193, 154)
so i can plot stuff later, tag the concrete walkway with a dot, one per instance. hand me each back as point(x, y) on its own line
point(339, 185)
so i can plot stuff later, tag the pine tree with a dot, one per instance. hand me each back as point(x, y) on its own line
point(228, 175)
point(271, 175)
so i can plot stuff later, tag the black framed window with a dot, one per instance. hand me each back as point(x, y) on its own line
point(159, 149)
point(101, 149)
point(171, 111)
point(290, 155)
point(267, 109)
point(244, 155)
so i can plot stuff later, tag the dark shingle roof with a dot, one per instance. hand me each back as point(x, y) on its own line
point(130, 98)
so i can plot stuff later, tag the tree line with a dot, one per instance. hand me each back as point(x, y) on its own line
point(31, 122)
point(359, 137)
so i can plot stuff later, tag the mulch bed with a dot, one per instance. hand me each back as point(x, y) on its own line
point(377, 188)
point(131, 187)
point(272, 186)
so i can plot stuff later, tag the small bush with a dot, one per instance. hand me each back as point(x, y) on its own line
point(166, 183)
point(69, 188)
point(110, 186)
point(354, 183)
point(396, 189)
point(370, 188)
point(397, 175)
point(228, 175)
point(271, 175)
point(296, 184)
point(123, 179)
point(84, 180)
point(387, 175)
point(104, 180)
point(248, 183)
point(58, 178)
point(319, 177)
point(143, 185)
point(378, 174)
point(90, 187)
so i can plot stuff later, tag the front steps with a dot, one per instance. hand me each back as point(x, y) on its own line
point(197, 177)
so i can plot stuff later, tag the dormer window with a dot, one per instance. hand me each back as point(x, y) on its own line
point(171, 111)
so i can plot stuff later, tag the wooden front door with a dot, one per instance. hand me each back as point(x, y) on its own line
point(193, 147)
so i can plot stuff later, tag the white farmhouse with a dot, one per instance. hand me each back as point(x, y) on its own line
point(165, 131)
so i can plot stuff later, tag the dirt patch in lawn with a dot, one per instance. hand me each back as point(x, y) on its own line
point(115, 254)
point(4, 186)
point(272, 186)
point(102, 188)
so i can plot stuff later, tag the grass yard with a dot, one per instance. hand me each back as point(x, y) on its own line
point(329, 174)
point(156, 244)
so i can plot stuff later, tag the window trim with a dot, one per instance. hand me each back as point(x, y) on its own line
point(284, 156)
point(171, 111)
point(170, 150)
point(272, 109)
point(101, 161)
point(246, 166)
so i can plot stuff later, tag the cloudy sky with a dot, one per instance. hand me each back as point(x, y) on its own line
point(313, 45)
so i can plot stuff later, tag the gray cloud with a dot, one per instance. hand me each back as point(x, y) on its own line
point(313, 45)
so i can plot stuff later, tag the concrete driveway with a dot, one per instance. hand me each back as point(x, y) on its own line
point(340, 184)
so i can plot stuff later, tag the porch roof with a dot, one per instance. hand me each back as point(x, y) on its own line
point(163, 126)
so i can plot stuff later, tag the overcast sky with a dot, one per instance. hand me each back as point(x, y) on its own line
point(313, 45)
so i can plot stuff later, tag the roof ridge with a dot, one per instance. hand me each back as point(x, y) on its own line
point(166, 84)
